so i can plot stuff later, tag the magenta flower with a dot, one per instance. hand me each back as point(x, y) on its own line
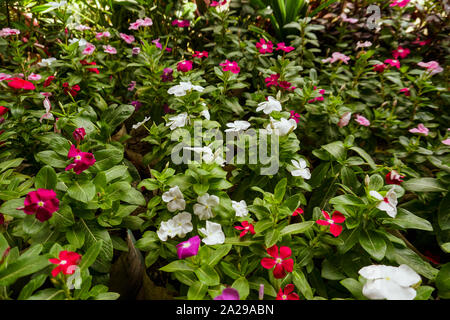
point(167, 75)
point(446, 141)
point(217, 3)
point(81, 160)
point(394, 177)
point(110, 49)
point(89, 49)
point(184, 66)
point(188, 248)
point(295, 116)
point(272, 80)
point(42, 202)
point(405, 91)
point(132, 85)
point(230, 66)
point(228, 294)
point(181, 23)
point(157, 44)
point(420, 129)
point(127, 38)
point(393, 63)
point(264, 47)
point(400, 52)
point(202, 54)
point(379, 67)
point(337, 217)
point(79, 134)
point(66, 263)
point(400, 3)
point(281, 46)
point(362, 120)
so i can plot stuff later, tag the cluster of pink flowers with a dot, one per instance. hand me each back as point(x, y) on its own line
point(267, 46)
point(8, 32)
point(104, 34)
point(433, 67)
point(337, 56)
point(88, 49)
point(146, 22)
point(273, 81)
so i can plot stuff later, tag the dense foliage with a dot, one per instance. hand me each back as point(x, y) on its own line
point(99, 100)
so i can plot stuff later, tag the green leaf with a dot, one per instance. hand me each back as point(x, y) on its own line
point(116, 115)
point(51, 158)
point(373, 243)
point(3, 245)
point(108, 158)
point(424, 293)
point(197, 291)
point(365, 156)
point(218, 254)
point(424, 185)
point(94, 233)
point(10, 208)
point(280, 190)
point(207, 275)
point(443, 281)
point(178, 265)
point(63, 217)
point(409, 257)
point(242, 286)
point(336, 149)
point(408, 220)
point(350, 238)
point(13, 163)
point(31, 286)
point(48, 294)
point(347, 199)
point(330, 272)
point(355, 287)
point(115, 172)
point(76, 236)
point(83, 192)
point(295, 228)
point(444, 213)
point(271, 237)
point(302, 284)
point(21, 268)
point(263, 225)
point(91, 255)
point(46, 178)
point(376, 182)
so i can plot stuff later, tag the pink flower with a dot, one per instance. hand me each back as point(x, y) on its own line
point(81, 27)
point(420, 129)
point(394, 177)
point(4, 76)
point(406, 91)
point(202, 54)
point(282, 46)
point(362, 120)
point(157, 44)
point(295, 116)
point(228, 294)
point(188, 248)
point(79, 134)
point(246, 227)
point(135, 50)
point(89, 49)
point(134, 25)
point(272, 80)
point(18, 83)
point(131, 85)
point(230, 66)
point(297, 212)
point(421, 42)
point(264, 47)
point(181, 23)
point(337, 217)
point(446, 141)
point(279, 261)
point(42, 202)
point(66, 262)
point(432, 66)
point(34, 77)
point(47, 106)
point(128, 39)
point(218, 3)
point(337, 56)
point(379, 67)
point(184, 66)
point(349, 20)
point(82, 160)
point(400, 52)
point(400, 3)
point(393, 63)
point(109, 49)
point(104, 34)
point(8, 32)
point(344, 120)
point(146, 22)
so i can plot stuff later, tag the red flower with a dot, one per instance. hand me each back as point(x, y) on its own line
point(79, 134)
point(379, 67)
point(3, 110)
point(230, 66)
point(18, 83)
point(246, 227)
point(394, 177)
point(406, 91)
point(48, 81)
point(264, 47)
point(184, 66)
point(72, 90)
point(272, 80)
point(287, 293)
point(84, 63)
point(2, 219)
point(297, 212)
point(41, 202)
point(202, 54)
point(66, 262)
point(279, 261)
point(400, 52)
point(81, 161)
point(337, 217)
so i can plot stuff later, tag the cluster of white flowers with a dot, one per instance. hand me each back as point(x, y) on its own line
point(179, 225)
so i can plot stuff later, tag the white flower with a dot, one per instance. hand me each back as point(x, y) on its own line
point(177, 121)
point(364, 44)
point(174, 198)
point(300, 169)
point(183, 222)
point(81, 42)
point(205, 114)
point(203, 209)
point(391, 283)
point(237, 126)
point(281, 127)
point(240, 208)
point(56, 5)
point(213, 232)
point(268, 106)
point(82, 27)
point(182, 88)
point(167, 229)
point(137, 125)
point(46, 62)
point(388, 203)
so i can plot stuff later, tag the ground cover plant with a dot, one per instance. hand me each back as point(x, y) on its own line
point(233, 149)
